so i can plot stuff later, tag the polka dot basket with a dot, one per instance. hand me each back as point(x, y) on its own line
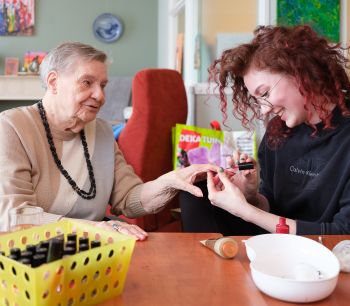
point(85, 278)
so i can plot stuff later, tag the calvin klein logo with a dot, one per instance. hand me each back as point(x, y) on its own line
point(300, 171)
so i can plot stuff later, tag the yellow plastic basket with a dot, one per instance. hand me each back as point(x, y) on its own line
point(85, 278)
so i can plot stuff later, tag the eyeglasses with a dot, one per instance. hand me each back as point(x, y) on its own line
point(262, 100)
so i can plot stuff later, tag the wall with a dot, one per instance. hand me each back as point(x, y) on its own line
point(227, 16)
point(221, 16)
point(60, 20)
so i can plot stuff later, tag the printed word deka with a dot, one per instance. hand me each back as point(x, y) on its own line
point(197, 138)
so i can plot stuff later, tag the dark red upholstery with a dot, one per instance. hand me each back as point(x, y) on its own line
point(158, 103)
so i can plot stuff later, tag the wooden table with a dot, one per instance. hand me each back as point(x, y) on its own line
point(175, 269)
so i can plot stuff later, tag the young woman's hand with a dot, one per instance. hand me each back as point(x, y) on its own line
point(226, 195)
point(245, 180)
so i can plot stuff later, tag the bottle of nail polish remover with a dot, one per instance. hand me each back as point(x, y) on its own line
point(282, 227)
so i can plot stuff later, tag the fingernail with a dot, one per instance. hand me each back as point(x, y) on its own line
point(221, 169)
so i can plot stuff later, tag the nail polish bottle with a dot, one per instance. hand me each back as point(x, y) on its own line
point(38, 260)
point(83, 247)
point(282, 227)
point(72, 237)
point(15, 253)
point(68, 251)
point(26, 254)
point(55, 250)
point(14, 257)
point(95, 244)
point(71, 244)
point(43, 244)
point(83, 240)
point(26, 261)
point(41, 251)
point(31, 248)
point(241, 167)
point(245, 166)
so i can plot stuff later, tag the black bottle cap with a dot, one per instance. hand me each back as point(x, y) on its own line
point(16, 252)
point(31, 248)
point(14, 257)
point(72, 237)
point(95, 243)
point(38, 260)
point(26, 261)
point(44, 244)
point(27, 254)
point(71, 244)
point(83, 240)
point(59, 237)
point(245, 166)
point(41, 251)
point(68, 251)
point(55, 251)
point(83, 247)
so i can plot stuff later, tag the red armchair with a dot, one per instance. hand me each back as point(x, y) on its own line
point(158, 103)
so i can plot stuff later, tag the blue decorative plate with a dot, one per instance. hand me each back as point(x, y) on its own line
point(107, 28)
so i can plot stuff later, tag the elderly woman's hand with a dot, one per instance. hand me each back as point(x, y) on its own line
point(124, 228)
point(184, 178)
point(156, 194)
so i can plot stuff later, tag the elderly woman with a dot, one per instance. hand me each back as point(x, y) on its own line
point(55, 154)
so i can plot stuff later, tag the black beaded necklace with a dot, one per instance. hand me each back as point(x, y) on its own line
point(85, 195)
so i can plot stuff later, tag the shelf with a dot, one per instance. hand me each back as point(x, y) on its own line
point(19, 88)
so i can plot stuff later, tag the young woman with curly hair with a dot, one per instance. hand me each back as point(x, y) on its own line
point(297, 81)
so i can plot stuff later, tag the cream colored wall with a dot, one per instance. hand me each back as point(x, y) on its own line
point(222, 16)
point(227, 16)
point(234, 16)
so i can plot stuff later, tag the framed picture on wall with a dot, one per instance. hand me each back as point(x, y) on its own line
point(11, 65)
point(327, 18)
point(17, 17)
point(322, 16)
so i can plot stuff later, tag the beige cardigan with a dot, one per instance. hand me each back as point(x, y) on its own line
point(29, 175)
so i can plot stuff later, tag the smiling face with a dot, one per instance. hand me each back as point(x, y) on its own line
point(283, 94)
point(79, 93)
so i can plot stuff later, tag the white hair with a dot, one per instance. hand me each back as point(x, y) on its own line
point(65, 55)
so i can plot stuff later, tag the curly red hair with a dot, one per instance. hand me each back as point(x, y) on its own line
point(318, 67)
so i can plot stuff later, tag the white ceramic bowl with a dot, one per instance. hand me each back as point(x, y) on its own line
point(292, 268)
